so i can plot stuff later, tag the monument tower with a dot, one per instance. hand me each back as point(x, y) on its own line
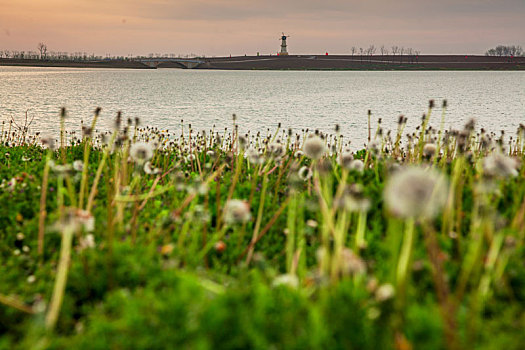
point(284, 51)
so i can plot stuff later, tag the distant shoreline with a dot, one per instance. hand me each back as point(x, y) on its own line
point(299, 63)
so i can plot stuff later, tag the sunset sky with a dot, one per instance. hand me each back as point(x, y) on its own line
point(223, 27)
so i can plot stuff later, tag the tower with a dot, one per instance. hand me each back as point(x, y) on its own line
point(284, 51)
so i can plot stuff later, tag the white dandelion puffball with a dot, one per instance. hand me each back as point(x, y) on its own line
point(498, 165)
point(357, 165)
point(141, 152)
point(305, 173)
point(414, 192)
point(237, 211)
point(314, 147)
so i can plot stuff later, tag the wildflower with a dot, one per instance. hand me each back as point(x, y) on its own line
point(374, 148)
point(88, 241)
point(384, 292)
point(314, 147)
point(414, 192)
point(305, 173)
point(276, 149)
point(60, 169)
point(11, 185)
point(243, 141)
point(78, 165)
point(351, 263)
point(149, 170)
point(372, 285)
point(31, 279)
point(87, 131)
point(311, 223)
point(201, 214)
point(498, 165)
point(75, 219)
point(324, 166)
point(357, 165)
point(286, 280)
point(255, 157)
point(237, 211)
point(346, 160)
point(167, 249)
point(429, 150)
point(373, 313)
point(48, 142)
point(141, 152)
point(25, 159)
point(219, 247)
point(354, 199)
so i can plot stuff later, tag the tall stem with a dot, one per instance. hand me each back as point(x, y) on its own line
point(61, 279)
point(404, 257)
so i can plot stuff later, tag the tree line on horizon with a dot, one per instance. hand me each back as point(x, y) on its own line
point(506, 50)
point(397, 53)
point(409, 53)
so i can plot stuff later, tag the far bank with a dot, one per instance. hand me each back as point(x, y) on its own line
point(295, 62)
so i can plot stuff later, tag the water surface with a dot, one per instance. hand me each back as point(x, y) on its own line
point(262, 99)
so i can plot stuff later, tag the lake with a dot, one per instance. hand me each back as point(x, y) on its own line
point(262, 99)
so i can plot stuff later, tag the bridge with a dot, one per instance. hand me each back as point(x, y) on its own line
point(183, 63)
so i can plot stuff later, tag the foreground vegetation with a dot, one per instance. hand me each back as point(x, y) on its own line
point(142, 239)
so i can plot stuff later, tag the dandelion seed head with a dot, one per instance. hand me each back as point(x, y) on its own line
point(276, 149)
point(86, 242)
point(141, 152)
point(385, 292)
point(305, 173)
point(499, 165)
point(355, 200)
point(351, 263)
point(237, 211)
point(314, 147)
point(346, 159)
point(414, 192)
point(357, 165)
point(78, 165)
point(288, 280)
point(429, 150)
point(148, 169)
point(254, 157)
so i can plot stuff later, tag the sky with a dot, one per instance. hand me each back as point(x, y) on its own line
point(238, 27)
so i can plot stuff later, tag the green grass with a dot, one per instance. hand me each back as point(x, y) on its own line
point(330, 261)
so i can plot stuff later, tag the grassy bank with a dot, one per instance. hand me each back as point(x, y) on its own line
point(140, 238)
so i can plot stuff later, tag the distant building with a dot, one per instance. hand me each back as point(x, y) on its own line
point(284, 50)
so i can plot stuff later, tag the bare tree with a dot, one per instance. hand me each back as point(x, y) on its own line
point(42, 48)
point(371, 51)
point(361, 53)
point(401, 51)
point(395, 49)
point(382, 49)
point(354, 49)
point(409, 53)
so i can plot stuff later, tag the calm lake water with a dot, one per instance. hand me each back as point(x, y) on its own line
point(262, 99)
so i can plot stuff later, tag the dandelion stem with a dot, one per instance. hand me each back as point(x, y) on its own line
point(43, 196)
point(404, 257)
point(61, 279)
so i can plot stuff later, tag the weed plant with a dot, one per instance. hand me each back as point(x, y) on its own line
point(140, 238)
